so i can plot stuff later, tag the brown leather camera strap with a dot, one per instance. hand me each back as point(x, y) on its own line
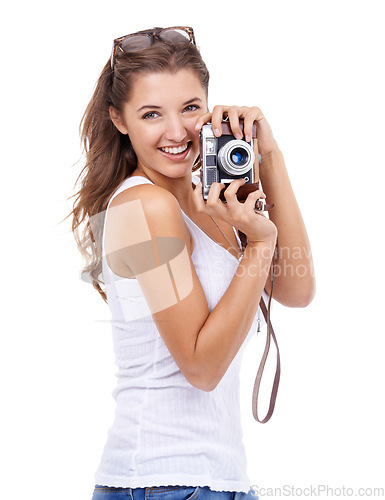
point(270, 333)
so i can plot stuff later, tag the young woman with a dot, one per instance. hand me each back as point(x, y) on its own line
point(183, 295)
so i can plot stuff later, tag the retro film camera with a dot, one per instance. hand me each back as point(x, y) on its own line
point(226, 158)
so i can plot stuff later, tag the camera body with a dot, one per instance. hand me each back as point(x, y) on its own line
point(226, 158)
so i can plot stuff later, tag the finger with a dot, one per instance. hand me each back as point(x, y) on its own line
point(198, 199)
point(252, 198)
point(230, 192)
point(233, 114)
point(213, 202)
point(202, 120)
point(248, 122)
point(230, 195)
point(216, 119)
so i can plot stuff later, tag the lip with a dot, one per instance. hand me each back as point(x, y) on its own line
point(179, 156)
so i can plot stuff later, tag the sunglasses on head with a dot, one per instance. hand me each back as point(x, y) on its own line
point(143, 39)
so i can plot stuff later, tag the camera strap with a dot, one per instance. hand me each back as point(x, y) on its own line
point(270, 333)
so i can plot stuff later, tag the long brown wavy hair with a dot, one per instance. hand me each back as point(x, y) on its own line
point(109, 155)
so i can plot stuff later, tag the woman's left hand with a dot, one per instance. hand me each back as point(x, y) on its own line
point(265, 139)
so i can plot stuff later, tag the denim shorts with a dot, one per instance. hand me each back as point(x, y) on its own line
point(168, 493)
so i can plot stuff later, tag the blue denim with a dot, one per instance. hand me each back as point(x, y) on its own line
point(169, 493)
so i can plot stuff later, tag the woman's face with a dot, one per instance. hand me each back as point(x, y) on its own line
point(160, 120)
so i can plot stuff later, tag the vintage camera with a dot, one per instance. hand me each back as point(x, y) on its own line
point(226, 158)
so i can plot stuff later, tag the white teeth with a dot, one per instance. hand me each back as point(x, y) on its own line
point(175, 151)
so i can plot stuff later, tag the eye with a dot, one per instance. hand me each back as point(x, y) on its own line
point(150, 115)
point(191, 107)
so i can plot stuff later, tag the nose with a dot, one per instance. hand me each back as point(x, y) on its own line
point(175, 129)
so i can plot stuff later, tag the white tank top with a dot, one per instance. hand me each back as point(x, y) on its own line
point(165, 431)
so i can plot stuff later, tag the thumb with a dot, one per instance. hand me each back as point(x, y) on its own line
point(198, 199)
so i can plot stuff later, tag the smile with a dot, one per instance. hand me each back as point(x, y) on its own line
point(176, 154)
point(174, 151)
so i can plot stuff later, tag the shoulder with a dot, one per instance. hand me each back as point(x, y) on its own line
point(150, 194)
point(149, 207)
point(144, 190)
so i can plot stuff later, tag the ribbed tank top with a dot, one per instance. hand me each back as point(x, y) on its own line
point(165, 431)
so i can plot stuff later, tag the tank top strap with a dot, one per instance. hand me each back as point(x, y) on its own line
point(132, 181)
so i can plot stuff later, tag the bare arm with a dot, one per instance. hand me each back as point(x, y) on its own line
point(203, 344)
point(294, 285)
point(229, 323)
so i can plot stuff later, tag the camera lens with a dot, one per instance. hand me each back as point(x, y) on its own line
point(236, 157)
point(239, 156)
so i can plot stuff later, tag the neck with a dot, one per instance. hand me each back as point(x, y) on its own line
point(181, 187)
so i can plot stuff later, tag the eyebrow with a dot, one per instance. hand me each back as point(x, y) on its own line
point(153, 106)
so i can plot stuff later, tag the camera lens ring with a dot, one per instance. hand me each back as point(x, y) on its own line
point(224, 156)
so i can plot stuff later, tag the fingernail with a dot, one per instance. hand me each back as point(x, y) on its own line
point(238, 136)
point(217, 132)
point(197, 126)
point(247, 138)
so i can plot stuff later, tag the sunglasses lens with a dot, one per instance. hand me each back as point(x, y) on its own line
point(139, 41)
point(175, 36)
point(134, 43)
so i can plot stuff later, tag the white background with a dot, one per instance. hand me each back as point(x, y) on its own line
point(315, 68)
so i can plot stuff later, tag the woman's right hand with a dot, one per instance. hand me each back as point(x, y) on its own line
point(256, 226)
